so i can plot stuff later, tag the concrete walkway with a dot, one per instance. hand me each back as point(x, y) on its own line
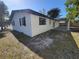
point(76, 37)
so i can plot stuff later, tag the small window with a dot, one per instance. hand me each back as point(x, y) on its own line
point(13, 23)
point(49, 21)
point(53, 24)
point(42, 21)
point(24, 21)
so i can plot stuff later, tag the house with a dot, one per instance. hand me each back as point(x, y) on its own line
point(62, 21)
point(31, 22)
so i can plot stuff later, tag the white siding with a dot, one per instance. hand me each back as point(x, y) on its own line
point(32, 27)
point(36, 28)
point(25, 29)
point(61, 21)
point(56, 24)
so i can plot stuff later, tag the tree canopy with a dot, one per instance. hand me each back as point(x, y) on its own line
point(54, 13)
point(72, 8)
point(3, 12)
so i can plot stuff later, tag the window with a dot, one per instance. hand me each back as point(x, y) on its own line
point(49, 21)
point(54, 24)
point(24, 21)
point(20, 21)
point(13, 23)
point(42, 21)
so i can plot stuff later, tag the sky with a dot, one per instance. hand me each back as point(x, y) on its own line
point(36, 5)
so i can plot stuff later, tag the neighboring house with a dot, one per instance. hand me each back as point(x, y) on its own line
point(31, 22)
point(62, 21)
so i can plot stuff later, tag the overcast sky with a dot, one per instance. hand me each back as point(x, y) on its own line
point(36, 5)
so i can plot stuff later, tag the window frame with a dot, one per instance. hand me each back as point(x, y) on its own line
point(20, 21)
point(50, 21)
point(23, 21)
point(42, 21)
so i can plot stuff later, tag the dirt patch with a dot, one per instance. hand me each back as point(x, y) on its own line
point(41, 44)
point(53, 44)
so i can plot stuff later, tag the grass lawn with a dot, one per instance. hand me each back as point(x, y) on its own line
point(76, 37)
point(63, 46)
point(11, 48)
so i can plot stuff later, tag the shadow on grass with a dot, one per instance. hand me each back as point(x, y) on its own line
point(2, 35)
point(63, 47)
point(21, 37)
point(75, 29)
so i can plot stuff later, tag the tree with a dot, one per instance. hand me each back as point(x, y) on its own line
point(54, 13)
point(43, 11)
point(3, 12)
point(72, 8)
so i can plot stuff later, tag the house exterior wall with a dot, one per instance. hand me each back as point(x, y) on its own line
point(56, 24)
point(62, 21)
point(36, 28)
point(32, 27)
point(24, 29)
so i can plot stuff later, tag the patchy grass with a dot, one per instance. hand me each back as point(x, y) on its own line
point(63, 46)
point(11, 48)
point(17, 46)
